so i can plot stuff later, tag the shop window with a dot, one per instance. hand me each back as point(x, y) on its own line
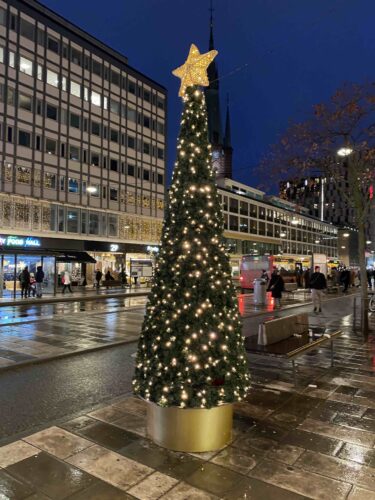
point(23, 175)
point(26, 66)
point(25, 102)
point(52, 44)
point(93, 223)
point(74, 153)
point(72, 221)
point(52, 78)
point(113, 194)
point(131, 170)
point(51, 146)
point(113, 165)
point(75, 89)
point(51, 112)
point(49, 180)
point(75, 121)
point(73, 185)
point(114, 135)
point(24, 138)
point(112, 225)
point(95, 159)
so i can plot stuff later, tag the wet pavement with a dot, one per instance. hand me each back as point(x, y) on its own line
point(316, 440)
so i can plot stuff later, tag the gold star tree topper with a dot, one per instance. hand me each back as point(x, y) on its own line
point(194, 70)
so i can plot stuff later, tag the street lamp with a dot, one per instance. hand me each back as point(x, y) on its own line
point(345, 151)
point(346, 235)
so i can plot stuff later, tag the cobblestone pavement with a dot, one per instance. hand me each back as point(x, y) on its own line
point(314, 441)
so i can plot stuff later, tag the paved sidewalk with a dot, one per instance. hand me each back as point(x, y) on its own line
point(314, 442)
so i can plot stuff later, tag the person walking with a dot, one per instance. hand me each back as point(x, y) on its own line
point(306, 278)
point(318, 283)
point(345, 279)
point(39, 277)
point(24, 278)
point(98, 278)
point(265, 276)
point(66, 281)
point(276, 286)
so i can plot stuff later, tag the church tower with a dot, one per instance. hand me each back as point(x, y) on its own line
point(221, 147)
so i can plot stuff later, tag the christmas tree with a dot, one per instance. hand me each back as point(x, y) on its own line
point(191, 351)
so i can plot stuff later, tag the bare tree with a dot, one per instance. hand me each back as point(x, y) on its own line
point(338, 140)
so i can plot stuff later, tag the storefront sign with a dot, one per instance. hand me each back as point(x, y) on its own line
point(114, 248)
point(19, 242)
point(152, 249)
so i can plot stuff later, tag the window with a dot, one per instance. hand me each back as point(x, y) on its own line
point(160, 179)
point(86, 93)
point(72, 221)
point(95, 128)
point(26, 66)
point(105, 102)
point(65, 50)
point(146, 95)
point(146, 121)
point(38, 142)
point(52, 78)
point(76, 56)
point(112, 225)
point(75, 89)
point(113, 194)
point(64, 83)
point(131, 87)
point(160, 102)
point(49, 180)
point(13, 21)
point(74, 153)
point(62, 183)
point(73, 185)
point(160, 128)
point(113, 165)
point(41, 37)
point(146, 175)
point(27, 29)
point(3, 17)
point(161, 153)
point(131, 142)
point(11, 96)
point(96, 67)
point(95, 159)
point(51, 112)
point(115, 78)
point(1, 54)
point(115, 107)
point(114, 135)
point(131, 170)
point(51, 146)
point(146, 148)
point(132, 115)
point(24, 138)
point(96, 99)
point(10, 134)
point(75, 120)
point(25, 102)
point(93, 223)
point(63, 150)
point(39, 72)
point(52, 44)
point(12, 59)
point(23, 175)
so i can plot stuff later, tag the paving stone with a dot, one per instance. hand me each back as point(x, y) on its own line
point(235, 459)
point(11, 488)
point(358, 454)
point(184, 491)
point(101, 491)
point(78, 423)
point(108, 435)
point(107, 414)
point(50, 476)
point(314, 442)
point(300, 481)
point(110, 467)
point(336, 431)
point(215, 479)
point(358, 493)
point(58, 442)
point(153, 487)
point(15, 452)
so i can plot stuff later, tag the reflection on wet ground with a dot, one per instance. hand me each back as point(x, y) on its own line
point(314, 441)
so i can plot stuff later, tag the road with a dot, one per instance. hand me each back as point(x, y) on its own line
point(32, 397)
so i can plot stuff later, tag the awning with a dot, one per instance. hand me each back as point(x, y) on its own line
point(72, 256)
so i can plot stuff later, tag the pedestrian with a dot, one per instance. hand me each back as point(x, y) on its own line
point(123, 278)
point(276, 286)
point(108, 276)
point(265, 276)
point(98, 277)
point(369, 277)
point(39, 277)
point(318, 283)
point(24, 279)
point(345, 279)
point(66, 282)
point(306, 278)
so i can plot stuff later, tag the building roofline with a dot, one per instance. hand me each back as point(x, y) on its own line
point(81, 33)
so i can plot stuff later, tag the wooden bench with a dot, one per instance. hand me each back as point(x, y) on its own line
point(110, 283)
point(289, 337)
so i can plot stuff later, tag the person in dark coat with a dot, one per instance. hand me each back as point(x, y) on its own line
point(318, 283)
point(345, 279)
point(24, 278)
point(306, 278)
point(98, 277)
point(276, 286)
point(39, 277)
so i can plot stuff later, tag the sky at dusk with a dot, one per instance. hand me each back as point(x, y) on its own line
point(276, 57)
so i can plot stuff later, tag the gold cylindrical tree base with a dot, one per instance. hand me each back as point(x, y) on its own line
point(190, 429)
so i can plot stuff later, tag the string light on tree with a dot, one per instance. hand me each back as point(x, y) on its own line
point(191, 336)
